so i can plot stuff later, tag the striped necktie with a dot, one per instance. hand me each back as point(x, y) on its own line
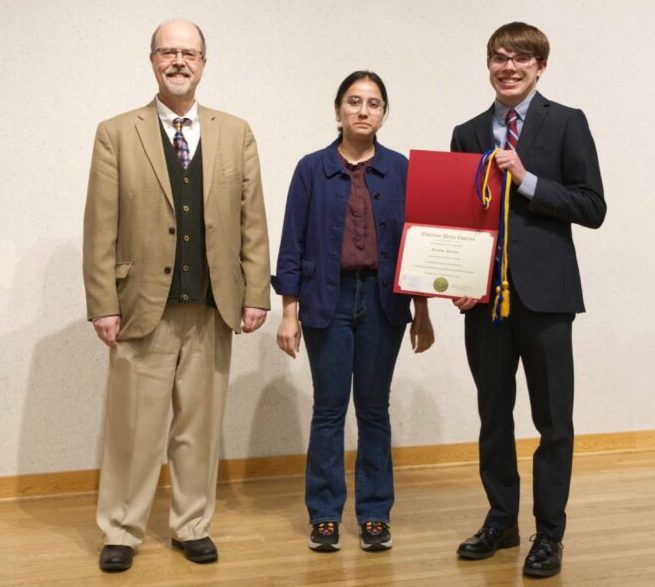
point(179, 142)
point(512, 130)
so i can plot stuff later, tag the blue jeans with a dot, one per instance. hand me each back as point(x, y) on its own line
point(359, 345)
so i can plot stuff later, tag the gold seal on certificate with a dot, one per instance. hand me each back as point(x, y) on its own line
point(440, 284)
point(452, 262)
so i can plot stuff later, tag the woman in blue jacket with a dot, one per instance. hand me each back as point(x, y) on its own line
point(342, 227)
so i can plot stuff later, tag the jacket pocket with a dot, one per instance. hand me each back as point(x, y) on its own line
point(228, 177)
point(308, 268)
point(122, 269)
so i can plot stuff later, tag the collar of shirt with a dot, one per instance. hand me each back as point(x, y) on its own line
point(191, 130)
point(501, 110)
point(353, 166)
point(333, 165)
point(499, 119)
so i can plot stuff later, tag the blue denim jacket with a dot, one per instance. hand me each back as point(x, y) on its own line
point(308, 264)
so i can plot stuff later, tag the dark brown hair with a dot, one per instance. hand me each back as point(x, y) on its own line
point(519, 37)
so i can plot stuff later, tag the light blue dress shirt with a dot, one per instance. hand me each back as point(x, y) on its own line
point(529, 183)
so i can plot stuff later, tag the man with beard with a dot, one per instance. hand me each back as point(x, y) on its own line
point(550, 153)
point(175, 259)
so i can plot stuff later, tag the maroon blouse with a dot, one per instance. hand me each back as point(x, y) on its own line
point(359, 248)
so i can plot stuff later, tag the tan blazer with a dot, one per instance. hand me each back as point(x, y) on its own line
point(129, 251)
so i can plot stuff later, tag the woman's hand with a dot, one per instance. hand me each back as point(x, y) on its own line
point(288, 333)
point(421, 333)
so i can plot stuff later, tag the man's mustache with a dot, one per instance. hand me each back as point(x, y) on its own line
point(178, 69)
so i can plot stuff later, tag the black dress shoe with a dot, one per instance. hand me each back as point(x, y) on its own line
point(115, 558)
point(202, 550)
point(487, 541)
point(544, 558)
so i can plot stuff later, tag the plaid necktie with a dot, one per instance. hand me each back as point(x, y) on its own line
point(512, 130)
point(179, 142)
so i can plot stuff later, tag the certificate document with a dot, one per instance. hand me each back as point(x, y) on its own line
point(445, 261)
point(449, 238)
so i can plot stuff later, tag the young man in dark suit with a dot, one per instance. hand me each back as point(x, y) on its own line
point(556, 182)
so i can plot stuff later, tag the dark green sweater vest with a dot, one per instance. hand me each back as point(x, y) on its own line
point(190, 283)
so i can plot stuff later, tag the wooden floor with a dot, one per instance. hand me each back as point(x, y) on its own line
point(260, 529)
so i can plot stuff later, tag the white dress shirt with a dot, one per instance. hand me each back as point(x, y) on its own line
point(190, 130)
point(529, 184)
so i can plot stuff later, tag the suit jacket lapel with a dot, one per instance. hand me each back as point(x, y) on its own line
point(147, 125)
point(537, 113)
point(209, 139)
point(484, 130)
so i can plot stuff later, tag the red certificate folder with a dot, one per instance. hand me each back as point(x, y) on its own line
point(441, 192)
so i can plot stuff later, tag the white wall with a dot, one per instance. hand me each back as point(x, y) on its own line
point(68, 65)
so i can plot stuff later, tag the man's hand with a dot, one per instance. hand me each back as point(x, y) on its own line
point(464, 303)
point(252, 318)
point(508, 160)
point(107, 329)
point(421, 333)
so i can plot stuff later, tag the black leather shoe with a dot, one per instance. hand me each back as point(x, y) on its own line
point(115, 558)
point(487, 541)
point(202, 550)
point(544, 558)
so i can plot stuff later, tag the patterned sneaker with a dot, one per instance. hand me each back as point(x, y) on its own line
point(325, 537)
point(375, 536)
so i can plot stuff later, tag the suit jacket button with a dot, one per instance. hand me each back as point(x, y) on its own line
point(383, 255)
point(185, 268)
point(376, 196)
point(383, 225)
point(185, 298)
point(186, 180)
point(167, 270)
point(171, 230)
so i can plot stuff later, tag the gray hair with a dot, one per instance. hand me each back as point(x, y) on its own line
point(203, 46)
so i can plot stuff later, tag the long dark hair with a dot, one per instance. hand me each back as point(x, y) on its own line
point(355, 76)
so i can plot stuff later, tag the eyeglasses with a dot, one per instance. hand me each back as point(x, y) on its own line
point(520, 60)
point(354, 104)
point(171, 53)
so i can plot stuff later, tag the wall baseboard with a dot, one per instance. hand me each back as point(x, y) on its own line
point(239, 470)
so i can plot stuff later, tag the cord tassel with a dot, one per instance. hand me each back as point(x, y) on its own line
point(500, 307)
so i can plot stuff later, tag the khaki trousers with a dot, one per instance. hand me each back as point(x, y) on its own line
point(185, 362)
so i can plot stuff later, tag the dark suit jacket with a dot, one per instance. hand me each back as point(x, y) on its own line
point(556, 146)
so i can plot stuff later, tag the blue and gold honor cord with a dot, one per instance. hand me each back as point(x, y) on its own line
point(500, 308)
